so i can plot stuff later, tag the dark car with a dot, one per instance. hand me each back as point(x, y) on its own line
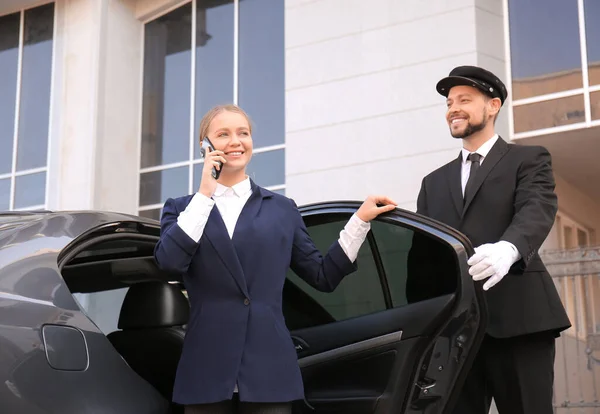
point(89, 324)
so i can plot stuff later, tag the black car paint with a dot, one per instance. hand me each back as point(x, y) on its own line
point(453, 350)
point(33, 295)
point(37, 314)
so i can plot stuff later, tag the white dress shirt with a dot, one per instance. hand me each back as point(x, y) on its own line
point(483, 150)
point(231, 200)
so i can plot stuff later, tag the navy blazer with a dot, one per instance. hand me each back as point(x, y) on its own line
point(236, 331)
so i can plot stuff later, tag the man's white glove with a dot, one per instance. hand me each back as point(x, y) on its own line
point(492, 261)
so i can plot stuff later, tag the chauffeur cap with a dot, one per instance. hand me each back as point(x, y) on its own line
point(477, 77)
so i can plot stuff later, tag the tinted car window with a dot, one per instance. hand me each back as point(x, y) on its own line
point(409, 263)
point(103, 308)
point(360, 293)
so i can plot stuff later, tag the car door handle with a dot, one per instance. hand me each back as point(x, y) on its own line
point(300, 344)
point(425, 387)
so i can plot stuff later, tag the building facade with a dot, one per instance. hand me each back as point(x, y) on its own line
point(100, 103)
point(102, 99)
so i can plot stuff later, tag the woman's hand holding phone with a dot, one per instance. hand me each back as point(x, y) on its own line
point(208, 184)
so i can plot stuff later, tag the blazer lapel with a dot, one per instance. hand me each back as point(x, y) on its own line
point(496, 153)
point(216, 233)
point(249, 213)
point(454, 182)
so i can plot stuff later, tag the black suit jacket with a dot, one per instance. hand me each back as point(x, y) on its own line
point(513, 200)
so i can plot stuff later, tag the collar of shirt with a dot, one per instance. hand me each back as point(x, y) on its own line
point(484, 150)
point(239, 190)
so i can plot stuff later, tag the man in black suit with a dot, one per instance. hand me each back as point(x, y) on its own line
point(502, 197)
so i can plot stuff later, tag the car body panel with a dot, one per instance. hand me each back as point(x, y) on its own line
point(33, 295)
point(38, 312)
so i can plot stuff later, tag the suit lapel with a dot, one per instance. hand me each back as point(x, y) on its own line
point(496, 153)
point(228, 249)
point(216, 233)
point(454, 182)
point(249, 213)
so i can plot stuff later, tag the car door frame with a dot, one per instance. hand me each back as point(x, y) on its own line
point(469, 301)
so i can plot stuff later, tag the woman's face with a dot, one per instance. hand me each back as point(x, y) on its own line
point(230, 132)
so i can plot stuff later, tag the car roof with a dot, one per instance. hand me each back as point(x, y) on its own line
point(60, 228)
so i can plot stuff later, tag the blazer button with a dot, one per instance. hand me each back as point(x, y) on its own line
point(246, 301)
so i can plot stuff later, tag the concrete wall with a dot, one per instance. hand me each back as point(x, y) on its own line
point(94, 158)
point(75, 112)
point(362, 112)
point(363, 115)
point(118, 148)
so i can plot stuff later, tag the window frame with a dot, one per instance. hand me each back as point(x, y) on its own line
point(586, 90)
point(383, 277)
point(193, 160)
point(14, 174)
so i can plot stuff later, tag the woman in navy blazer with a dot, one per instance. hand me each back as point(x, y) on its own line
point(238, 355)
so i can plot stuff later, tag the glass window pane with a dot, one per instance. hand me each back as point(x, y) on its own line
point(394, 244)
point(545, 47)
point(5, 194)
point(214, 59)
point(592, 28)
point(548, 114)
point(157, 186)
point(35, 88)
point(197, 176)
point(595, 102)
point(9, 56)
point(30, 190)
point(103, 307)
point(359, 293)
point(166, 94)
point(153, 214)
point(267, 168)
point(262, 70)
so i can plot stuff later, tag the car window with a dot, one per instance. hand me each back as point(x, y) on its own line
point(393, 245)
point(103, 308)
point(404, 256)
point(359, 293)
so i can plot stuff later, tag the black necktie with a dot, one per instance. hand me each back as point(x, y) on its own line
point(475, 159)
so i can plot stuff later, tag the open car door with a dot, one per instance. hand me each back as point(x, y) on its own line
point(397, 336)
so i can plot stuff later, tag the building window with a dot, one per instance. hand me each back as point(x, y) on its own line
point(26, 60)
point(555, 65)
point(197, 56)
point(592, 29)
point(545, 51)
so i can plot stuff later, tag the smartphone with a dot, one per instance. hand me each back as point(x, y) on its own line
point(206, 144)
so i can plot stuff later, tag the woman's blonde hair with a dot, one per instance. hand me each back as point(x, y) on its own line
point(216, 110)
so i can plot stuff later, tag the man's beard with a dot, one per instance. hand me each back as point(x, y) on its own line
point(471, 129)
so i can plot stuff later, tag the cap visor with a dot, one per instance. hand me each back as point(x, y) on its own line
point(443, 87)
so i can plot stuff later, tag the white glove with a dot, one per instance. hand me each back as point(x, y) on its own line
point(492, 261)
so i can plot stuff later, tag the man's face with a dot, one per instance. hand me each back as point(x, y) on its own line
point(467, 111)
